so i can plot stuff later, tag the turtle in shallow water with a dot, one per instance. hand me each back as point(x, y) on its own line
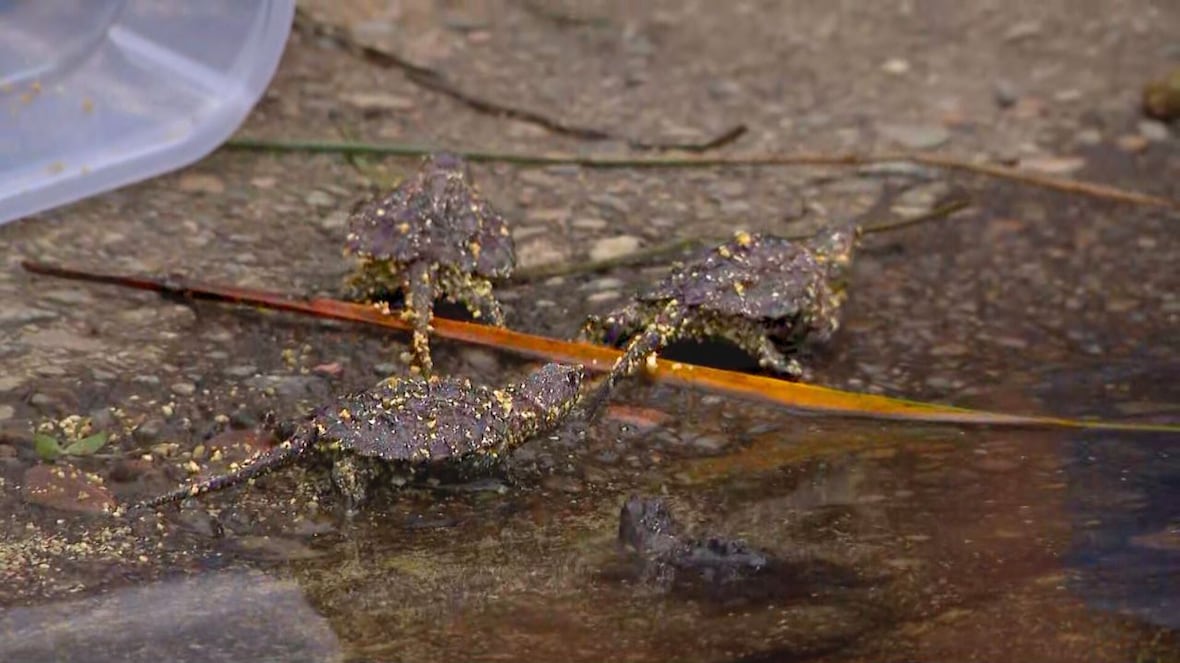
point(760, 292)
point(409, 423)
point(433, 236)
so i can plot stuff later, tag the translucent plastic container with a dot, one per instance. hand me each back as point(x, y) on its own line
point(97, 94)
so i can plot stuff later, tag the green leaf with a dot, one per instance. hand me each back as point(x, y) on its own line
point(88, 445)
point(46, 446)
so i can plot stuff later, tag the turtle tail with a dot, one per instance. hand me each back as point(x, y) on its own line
point(258, 464)
point(654, 338)
point(420, 292)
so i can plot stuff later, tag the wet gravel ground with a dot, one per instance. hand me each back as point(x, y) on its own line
point(970, 545)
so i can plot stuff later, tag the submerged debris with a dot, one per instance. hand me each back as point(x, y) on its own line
point(407, 424)
point(432, 236)
point(762, 293)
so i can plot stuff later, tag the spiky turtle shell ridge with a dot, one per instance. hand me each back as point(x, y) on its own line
point(436, 217)
point(750, 276)
point(419, 420)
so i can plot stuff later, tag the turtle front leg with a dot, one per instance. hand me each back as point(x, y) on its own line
point(609, 329)
point(652, 340)
point(419, 311)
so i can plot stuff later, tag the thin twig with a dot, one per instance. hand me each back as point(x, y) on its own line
point(1091, 189)
point(601, 359)
point(657, 251)
point(436, 82)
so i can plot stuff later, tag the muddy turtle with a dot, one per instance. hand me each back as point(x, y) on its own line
point(760, 292)
point(647, 528)
point(433, 236)
point(409, 423)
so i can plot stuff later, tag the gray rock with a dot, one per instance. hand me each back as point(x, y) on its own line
point(613, 247)
point(915, 136)
point(1153, 130)
point(589, 223)
point(149, 431)
point(606, 201)
point(319, 198)
point(6, 412)
point(18, 315)
point(1005, 93)
point(241, 371)
point(184, 388)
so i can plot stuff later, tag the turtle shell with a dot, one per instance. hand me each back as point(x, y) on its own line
point(751, 276)
point(417, 421)
point(437, 216)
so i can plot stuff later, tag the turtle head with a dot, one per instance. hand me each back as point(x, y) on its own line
point(446, 162)
point(551, 391)
point(833, 248)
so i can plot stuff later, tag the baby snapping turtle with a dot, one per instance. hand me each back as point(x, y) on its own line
point(756, 291)
point(407, 423)
point(434, 235)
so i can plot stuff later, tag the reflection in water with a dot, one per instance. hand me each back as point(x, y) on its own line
point(239, 616)
point(1126, 509)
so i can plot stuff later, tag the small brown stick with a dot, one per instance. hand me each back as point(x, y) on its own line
point(435, 81)
point(1091, 189)
point(600, 358)
point(657, 251)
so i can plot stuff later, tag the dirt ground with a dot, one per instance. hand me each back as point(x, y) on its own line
point(1029, 301)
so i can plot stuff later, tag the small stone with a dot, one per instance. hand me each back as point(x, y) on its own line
point(68, 296)
point(483, 361)
point(710, 443)
point(1132, 143)
point(376, 101)
point(585, 223)
point(184, 388)
point(604, 283)
point(1089, 137)
point(724, 89)
point(1154, 131)
point(241, 371)
point(1053, 165)
point(538, 251)
point(40, 400)
point(149, 431)
point(1005, 93)
point(67, 488)
point(201, 183)
point(606, 201)
point(916, 136)
point(6, 412)
point(613, 247)
point(148, 380)
point(334, 220)
point(604, 296)
point(895, 66)
point(319, 198)
point(385, 368)
point(10, 382)
point(1022, 30)
point(23, 315)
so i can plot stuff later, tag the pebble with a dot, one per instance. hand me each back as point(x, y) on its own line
point(334, 220)
point(241, 371)
point(10, 382)
point(23, 315)
point(538, 251)
point(895, 66)
point(148, 380)
point(376, 101)
point(1154, 131)
point(6, 412)
point(148, 431)
point(1005, 93)
point(604, 283)
point(915, 136)
point(201, 183)
point(604, 296)
point(67, 296)
point(612, 203)
point(483, 361)
point(1053, 165)
point(613, 247)
point(588, 223)
point(40, 400)
point(319, 198)
point(710, 443)
point(184, 388)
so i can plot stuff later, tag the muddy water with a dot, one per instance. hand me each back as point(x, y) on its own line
point(895, 542)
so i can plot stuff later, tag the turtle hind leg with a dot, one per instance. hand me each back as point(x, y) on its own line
point(650, 341)
point(611, 328)
point(477, 295)
point(352, 478)
point(255, 466)
point(761, 346)
point(421, 289)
